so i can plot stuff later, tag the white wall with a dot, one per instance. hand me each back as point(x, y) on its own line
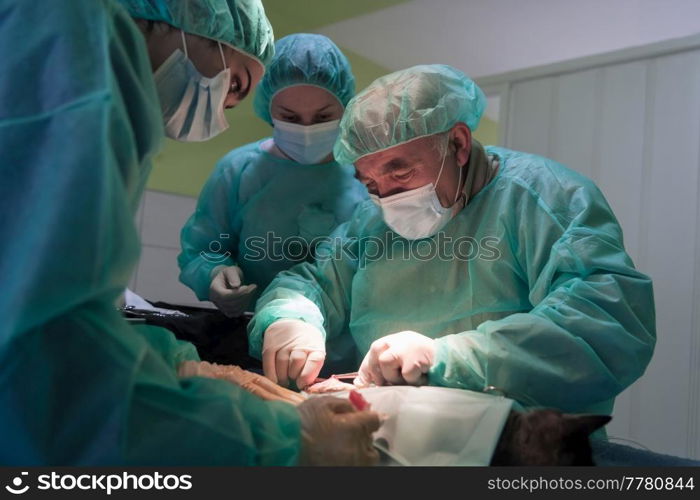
point(634, 128)
point(159, 220)
point(486, 37)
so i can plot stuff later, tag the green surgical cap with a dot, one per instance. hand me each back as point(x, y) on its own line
point(405, 105)
point(241, 24)
point(305, 59)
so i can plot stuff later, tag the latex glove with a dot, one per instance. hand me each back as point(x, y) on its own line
point(293, 350)
point(228, 292)
point(398, 359)
point(335, 433)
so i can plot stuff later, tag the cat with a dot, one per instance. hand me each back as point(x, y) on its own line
point(547, 437)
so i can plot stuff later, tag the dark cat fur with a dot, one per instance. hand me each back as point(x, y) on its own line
point(547, 437)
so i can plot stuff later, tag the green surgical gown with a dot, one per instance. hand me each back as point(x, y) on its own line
point(528, 290)
point(79, 124)
point(266, 213)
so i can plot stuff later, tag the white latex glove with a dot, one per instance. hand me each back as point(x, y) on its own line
point(402, 358)
point(335, 433)
point(227, 291)
point(293, 350)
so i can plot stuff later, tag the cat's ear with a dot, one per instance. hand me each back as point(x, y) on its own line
point(585, 424)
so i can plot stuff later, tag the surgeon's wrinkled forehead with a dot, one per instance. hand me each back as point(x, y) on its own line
point(418, 153)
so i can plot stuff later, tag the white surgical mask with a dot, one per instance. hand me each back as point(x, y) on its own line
point(192, 104)
point(306, 144)
point(417, 213)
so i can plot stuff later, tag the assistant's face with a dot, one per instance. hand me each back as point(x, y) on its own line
point(305, 105)
point(204, 53)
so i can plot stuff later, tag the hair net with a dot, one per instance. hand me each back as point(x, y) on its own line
point(241, 24)
point(401, 106)
point(308, 59)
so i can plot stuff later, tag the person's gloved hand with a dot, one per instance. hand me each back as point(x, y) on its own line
point(335, 433)
point(293, 350)
point(227, 291)
point(397, 359)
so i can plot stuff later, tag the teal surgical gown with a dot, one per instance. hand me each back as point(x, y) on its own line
point(264, 214)
point(79, 124)
point(527, 290)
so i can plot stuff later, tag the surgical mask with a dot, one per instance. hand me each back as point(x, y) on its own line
point(306, 144)
point(417, 213)
point(192, 104)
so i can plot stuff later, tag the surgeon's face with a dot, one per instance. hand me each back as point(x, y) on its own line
point(305, 105)
point(204, 53)
point(416, 163)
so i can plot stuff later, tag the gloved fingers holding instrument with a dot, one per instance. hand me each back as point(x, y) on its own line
point(228, 292)
point(293, 350)
point(403, 358)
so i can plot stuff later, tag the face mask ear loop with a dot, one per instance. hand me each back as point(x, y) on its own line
point(221, 51)
point(184, 42)
point(441, 167)
point(459, 184)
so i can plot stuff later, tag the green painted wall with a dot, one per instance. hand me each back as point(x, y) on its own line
point(183, 168)
point(487, 133)
point(295, 16)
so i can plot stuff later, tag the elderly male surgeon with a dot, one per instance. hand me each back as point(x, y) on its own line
point(477, 268)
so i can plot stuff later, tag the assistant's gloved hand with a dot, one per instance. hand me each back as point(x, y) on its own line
point(227, 291)
point(335, 433)
point(293, 350)
point(397, 359)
